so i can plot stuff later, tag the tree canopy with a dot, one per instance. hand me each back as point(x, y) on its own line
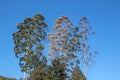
point(28, 42)
point(66, 42)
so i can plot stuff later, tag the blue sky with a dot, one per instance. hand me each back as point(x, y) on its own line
point(104, 16)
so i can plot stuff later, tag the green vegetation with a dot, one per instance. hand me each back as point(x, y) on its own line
point(28, 42)
point(5, 78)
point(65, 45)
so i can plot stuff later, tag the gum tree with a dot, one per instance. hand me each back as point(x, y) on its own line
point(62, 42)
point(28, 42)
point(85, 31)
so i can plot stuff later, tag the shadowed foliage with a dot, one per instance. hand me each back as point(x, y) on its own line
point(77, 74)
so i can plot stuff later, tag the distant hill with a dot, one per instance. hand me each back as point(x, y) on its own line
point(5, 78)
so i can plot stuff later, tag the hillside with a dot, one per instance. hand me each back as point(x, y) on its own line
point(5, 78)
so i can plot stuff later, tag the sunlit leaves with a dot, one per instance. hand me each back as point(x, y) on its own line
point(60, 35)
point(64, 42)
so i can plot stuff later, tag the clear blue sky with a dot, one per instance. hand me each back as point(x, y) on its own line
point(104, 16)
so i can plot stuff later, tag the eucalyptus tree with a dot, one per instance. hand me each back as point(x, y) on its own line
point(62, 42)
point(83, 33)
point(28, 42)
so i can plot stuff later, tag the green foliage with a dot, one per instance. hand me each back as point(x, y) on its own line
point(77, 74)
point(56, 71)
point(28, 42)
point(66, 41)
point(40, 71)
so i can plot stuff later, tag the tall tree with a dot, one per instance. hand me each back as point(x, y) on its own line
point(63, 42)
point(28, 42)
point(84, 30)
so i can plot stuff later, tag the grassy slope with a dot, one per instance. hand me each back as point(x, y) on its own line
point(4, 78)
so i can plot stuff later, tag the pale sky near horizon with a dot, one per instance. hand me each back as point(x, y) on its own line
point(104, 16)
